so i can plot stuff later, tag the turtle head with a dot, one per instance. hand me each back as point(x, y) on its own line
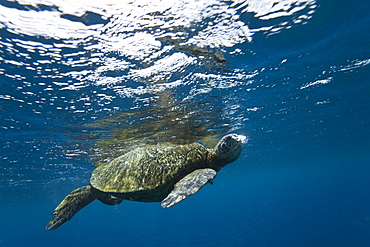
point(230, 147)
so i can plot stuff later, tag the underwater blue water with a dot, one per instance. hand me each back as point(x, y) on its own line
point(78, 84)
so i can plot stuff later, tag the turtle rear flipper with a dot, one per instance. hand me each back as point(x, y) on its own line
point(188, 185)
point(71, 204)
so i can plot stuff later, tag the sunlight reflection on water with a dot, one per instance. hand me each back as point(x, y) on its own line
point(135, 48)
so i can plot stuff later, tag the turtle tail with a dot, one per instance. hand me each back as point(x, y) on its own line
point(71, 204)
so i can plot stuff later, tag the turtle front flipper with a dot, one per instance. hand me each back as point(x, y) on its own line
point(71, 204)
point(188, 185)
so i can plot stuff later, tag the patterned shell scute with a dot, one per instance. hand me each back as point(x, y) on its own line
point(149, 168)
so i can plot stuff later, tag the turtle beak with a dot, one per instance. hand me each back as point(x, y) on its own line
point(240, 138)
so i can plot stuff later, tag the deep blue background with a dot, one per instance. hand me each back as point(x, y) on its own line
point(302, 179)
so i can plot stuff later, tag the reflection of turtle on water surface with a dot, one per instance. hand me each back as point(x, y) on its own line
point(158, 173)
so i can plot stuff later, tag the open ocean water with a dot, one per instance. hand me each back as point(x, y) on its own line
point(82, 82)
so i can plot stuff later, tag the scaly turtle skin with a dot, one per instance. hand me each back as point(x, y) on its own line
point(160, 173)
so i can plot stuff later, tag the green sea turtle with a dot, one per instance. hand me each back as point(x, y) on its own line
point(163, 173)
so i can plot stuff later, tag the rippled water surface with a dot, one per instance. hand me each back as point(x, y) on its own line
point(82, 82)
